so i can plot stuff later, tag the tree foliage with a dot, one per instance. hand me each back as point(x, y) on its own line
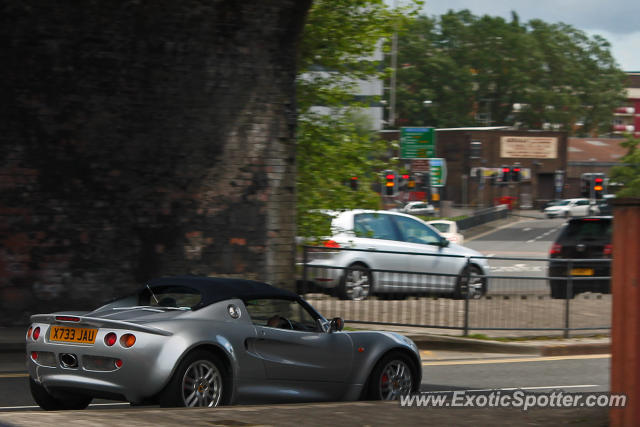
point(474, 69)
point(628, 173)
point(337, 49)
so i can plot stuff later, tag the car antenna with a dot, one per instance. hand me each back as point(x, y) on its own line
point(152, 294)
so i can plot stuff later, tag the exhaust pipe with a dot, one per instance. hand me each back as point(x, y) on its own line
point(68, 360)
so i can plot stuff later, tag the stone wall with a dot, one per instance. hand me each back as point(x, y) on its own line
point(140, 139)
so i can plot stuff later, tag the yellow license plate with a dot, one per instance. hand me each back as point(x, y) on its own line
point(74, 335)
point(582, 271)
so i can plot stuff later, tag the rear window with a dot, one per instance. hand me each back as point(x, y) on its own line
point(375, 226)
point(590, 229)
point(171, 296)
point(440, 226)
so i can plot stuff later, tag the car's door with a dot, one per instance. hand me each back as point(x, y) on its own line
point(377, 234)
point(438, 264)
point(296, 351)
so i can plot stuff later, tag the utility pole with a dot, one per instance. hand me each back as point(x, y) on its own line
point(394, 67)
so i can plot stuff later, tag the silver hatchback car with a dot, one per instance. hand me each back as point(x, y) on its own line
point(389, 253)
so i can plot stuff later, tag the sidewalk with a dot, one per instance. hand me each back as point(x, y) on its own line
point(318, 414)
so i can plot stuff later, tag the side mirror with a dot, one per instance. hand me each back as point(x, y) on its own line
point(444, 243)
point(336, 324)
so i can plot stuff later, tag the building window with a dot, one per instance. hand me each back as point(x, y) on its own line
point(476, 150)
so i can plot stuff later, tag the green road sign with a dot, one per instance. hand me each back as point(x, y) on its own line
point(438, 172)
point(417, 143)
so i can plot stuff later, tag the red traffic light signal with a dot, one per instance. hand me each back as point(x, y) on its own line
point(515, 174)
point(506, 174)
point(597, 184)
point(354, 182)
point(390, 183)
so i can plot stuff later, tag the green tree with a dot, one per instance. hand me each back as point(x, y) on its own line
point(339, 40)
point(474, 69)
point(628, 173)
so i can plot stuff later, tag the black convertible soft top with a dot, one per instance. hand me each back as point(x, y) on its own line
point(214, 289)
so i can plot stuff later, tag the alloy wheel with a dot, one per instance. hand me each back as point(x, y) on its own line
point(202, 384)
point(357, 284)
point(395, 380)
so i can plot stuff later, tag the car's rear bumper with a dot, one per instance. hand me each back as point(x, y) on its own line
point(324, 277)
point(599, 281)
point(95, 373)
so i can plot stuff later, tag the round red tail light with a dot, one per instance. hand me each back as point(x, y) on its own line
point(118, 363)
point(127, 340)
point(34, 355)
point(36, 333)
point(110, 339)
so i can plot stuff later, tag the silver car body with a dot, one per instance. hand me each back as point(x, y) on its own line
point(418, 208)
point(439, 264)
point(572, 207)
point(266, 364)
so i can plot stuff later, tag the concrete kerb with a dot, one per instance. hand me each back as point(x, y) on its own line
point(12, 340)
point(563, 347)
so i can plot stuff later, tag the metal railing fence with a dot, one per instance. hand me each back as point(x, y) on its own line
point(518, 295)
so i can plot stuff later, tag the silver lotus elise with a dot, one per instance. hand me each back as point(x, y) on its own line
point(195, 341)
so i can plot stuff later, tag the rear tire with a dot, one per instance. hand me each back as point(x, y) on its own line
point(477, 283)
point(200, 380)
point(48, 402)
point(356, 283)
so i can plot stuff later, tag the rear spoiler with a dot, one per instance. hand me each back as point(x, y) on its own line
point(99, 323)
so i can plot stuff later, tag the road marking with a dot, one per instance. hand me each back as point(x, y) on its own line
point(16, 375)
point(516, 360)
point(516, 252)
point(546, 387)
point(553, 230)
point(493, 231)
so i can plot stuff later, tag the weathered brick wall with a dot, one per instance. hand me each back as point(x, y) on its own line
point(141, 139)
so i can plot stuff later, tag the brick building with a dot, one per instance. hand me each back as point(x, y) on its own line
point(476, 156)
point(627, 117)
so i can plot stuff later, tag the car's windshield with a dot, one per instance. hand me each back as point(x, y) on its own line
point(415, 232)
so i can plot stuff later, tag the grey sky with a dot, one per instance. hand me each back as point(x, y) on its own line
point(618, 21)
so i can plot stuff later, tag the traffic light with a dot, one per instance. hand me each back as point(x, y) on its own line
point(506, 174)
point(354, 182)
point(411, 184)
point(404, 182)
point(598, 187)
point(390, 183)
point(515, 174)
